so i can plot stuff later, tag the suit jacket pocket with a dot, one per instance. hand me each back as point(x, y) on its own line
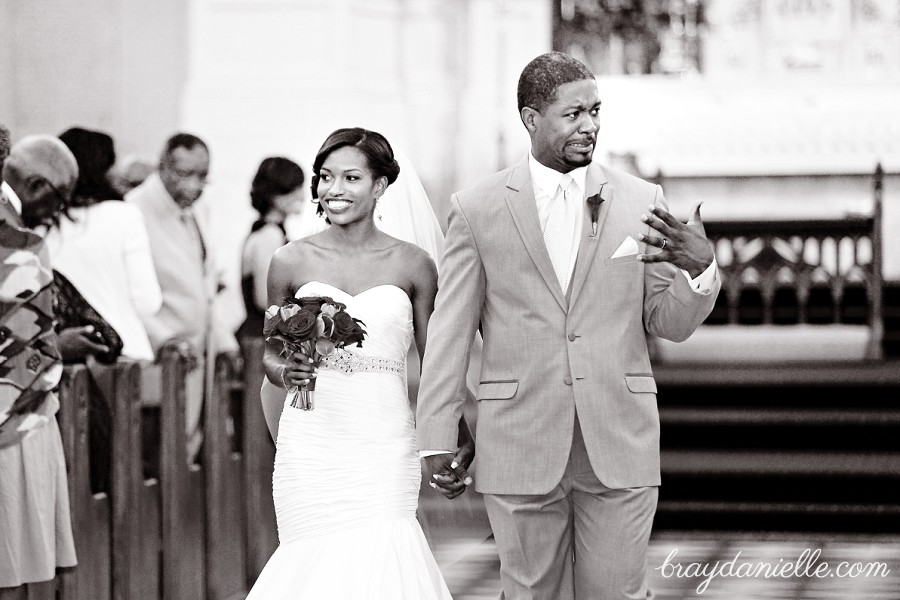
point(641, 383)
point(621, 259)
point(497, 390)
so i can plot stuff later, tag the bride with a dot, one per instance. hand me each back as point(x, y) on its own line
point(347, 474)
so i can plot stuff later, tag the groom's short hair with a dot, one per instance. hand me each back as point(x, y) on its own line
point(542, 76)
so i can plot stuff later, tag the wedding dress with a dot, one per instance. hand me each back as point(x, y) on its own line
point(346, 480)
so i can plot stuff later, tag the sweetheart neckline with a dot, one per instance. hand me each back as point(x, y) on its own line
point(358, 294)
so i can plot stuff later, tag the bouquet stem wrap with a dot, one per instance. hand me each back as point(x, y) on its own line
point(304, 397)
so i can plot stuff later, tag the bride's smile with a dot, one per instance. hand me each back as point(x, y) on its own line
point(338, 204)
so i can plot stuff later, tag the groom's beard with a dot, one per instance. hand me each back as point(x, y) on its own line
point(581, 161)
point(574, 156)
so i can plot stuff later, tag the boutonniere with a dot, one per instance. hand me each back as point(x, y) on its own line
point(594, 202)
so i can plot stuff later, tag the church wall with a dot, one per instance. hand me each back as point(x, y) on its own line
point(115, 65)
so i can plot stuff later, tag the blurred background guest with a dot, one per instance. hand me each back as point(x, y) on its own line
point(185, 268)
point(34, 501)
point(101, 246)
point(129, 172)
point(276, 192)
point(6, 192)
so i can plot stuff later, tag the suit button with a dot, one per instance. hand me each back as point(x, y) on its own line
point(572, 337)
point(567, 380)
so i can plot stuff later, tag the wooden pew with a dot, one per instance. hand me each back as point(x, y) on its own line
point(189, 534)
point(116, 535)
point(91, 579)
point(136, 541)
point(260, 532)
point(183, 494)
point(46, 590)
point(224, 469)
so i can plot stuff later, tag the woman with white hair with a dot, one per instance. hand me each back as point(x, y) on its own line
point(34, 503)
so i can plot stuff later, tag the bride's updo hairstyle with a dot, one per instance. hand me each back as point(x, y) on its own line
point(374, 146)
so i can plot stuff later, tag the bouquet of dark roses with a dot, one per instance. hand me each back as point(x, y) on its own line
point(318, 326)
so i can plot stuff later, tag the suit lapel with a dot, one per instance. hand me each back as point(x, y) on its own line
point(596, 183)
point(520, 199)
point(9, 214)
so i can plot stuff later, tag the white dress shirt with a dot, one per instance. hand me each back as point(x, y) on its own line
point(545, 182)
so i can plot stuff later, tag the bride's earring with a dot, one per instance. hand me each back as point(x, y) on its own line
point(320, 212)
point(377, 212)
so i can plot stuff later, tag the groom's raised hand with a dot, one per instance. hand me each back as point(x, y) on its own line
point(685, 245)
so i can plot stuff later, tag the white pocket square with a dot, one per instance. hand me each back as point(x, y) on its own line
point(626, 248)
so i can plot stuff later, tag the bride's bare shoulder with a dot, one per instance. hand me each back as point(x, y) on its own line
point(298, 249)
point(417, 263)
point(413, 255)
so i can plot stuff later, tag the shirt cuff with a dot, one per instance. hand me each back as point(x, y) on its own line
point(425, 453)
point(704, 282)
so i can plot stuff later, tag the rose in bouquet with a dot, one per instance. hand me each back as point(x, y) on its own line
point(316, 325)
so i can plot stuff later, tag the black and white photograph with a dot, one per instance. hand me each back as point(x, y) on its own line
point(450, 300)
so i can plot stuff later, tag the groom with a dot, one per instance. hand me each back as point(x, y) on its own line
point(568, 266)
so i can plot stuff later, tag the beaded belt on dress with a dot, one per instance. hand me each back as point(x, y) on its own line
point(349, 363)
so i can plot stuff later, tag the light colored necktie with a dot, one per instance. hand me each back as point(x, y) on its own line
point(187, 216)
point(557, 234)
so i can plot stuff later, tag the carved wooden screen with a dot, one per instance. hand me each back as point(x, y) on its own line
point(819, 271)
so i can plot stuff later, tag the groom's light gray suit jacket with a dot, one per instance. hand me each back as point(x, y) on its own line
point(547, 355)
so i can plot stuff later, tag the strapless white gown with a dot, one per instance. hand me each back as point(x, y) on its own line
point(346, 481)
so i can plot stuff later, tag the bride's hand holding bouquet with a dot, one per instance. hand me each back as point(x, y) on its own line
point(309, 329)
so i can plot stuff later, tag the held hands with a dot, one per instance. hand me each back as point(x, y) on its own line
point(447, 472)
point(444, 477)
point(685, 245)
